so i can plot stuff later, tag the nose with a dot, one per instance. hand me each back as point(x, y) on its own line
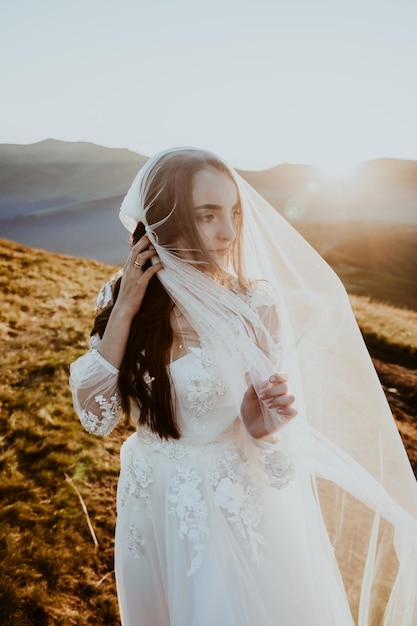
point(228, 230)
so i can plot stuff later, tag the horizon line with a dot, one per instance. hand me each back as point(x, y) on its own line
point(252, 168)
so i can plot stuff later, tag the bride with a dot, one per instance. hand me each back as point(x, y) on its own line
point(222, 327)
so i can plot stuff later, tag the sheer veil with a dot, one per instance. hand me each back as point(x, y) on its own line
point(358, 490)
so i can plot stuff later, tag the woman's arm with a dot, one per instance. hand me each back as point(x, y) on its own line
point(94, 376)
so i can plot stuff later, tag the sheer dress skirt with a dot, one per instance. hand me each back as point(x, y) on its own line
point(202, 540)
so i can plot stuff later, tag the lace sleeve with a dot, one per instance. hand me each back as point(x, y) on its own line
point(94, 386)
point(105, 296)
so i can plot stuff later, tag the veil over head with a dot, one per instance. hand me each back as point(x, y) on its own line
point(346, 448)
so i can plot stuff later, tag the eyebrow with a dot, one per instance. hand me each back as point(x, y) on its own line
point(214, 207)
point(211, 207)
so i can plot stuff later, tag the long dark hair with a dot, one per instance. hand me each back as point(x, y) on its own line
point(144, 374)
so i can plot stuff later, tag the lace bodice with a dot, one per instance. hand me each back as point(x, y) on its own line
point(203, 403)
point(206, 407)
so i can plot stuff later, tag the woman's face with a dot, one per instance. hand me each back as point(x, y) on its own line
point(216, 209)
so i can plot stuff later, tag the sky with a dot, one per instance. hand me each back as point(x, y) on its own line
point(260, 82)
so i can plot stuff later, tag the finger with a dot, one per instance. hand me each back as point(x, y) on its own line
point(140, 245)
point(278, 378)
point(288, 413)
point(271, 391)
point(279, 401)
point(143, 257)
point(274, 379)
point(154, 268)
point(279, 389)
point(151, 271)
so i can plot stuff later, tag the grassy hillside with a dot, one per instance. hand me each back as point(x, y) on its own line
point(375, 259)
point(52, 571)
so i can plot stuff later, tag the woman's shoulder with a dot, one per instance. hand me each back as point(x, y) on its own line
point(105, 296)
point(261, 297)
point(257, 293)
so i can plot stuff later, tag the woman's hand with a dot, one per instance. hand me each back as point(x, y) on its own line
point(135, 278)
point(133, 287)
point(273, 394)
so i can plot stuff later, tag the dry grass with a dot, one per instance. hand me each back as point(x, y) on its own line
point(393, 330)
point(52, 572)
point(51, 569)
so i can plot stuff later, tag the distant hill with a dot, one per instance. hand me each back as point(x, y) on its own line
point(60, 175)
point(382, 189)
point(64, 197)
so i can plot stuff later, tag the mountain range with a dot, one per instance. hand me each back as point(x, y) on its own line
point(64, 197)
point(55, 175)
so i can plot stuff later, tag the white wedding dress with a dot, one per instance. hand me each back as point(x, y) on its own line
point(217, 529)
point(214, 528)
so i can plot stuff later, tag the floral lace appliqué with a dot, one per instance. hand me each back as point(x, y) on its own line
point(102, 425)
point(233, 492)
point(136, 481)
point(171, 448)
point(192, 511)
point(135, 542)
point(204, 387)
point(278, 467)
point(230, 474)
point(245, 512)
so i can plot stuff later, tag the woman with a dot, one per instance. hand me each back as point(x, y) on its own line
point(230, 511)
